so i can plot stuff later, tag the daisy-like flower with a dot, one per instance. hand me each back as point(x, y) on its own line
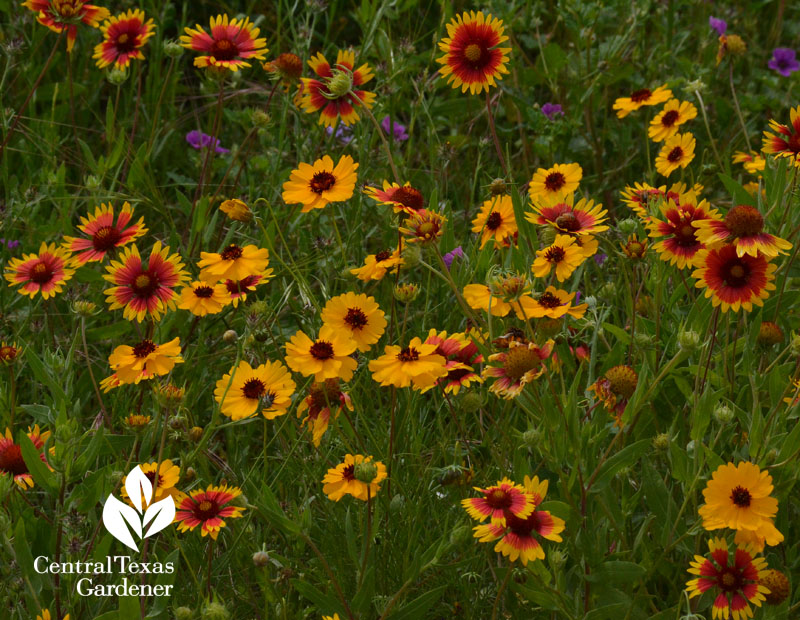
point(323, 399)
point(233, 263)
point(501, 296)
point(229, 45)
point(473, 58)
point(639, 98)
point(677, 152)
point(680, 242)
point(460, 354)
point(495, 221)
point(643, 199)
point(424, 227)
point(102, 235)
point(336, 91)
point(45, 615)
point(287, 68)
point(785, 141)
point(136, 421)
point(500, 501)
point(416, 365)
point(480, 297)
point(201, 298)
point(733, 281)
point(518, 535)
point(246, 391)
point(735, 583)
point(738, 497)
point(564, 255)
point(11, 461)
point(767, 534)
point(376, 266)
point(141, 291)
point(518, 365)
point(614, 389)
point(553, 303)
point(65, 15)
point(403, 199)
point(315, 186)
point(674, 114)
point(358, 315)
point(130, 362)
point(358, 476)
point(44, 273)
point(327, 357)
point(168, 476)
point(555, 182)
point(743, 226)
point(634, 247)
point(236, 209)
point(237, 290)
point(124, 35)
point(207, 509)
point(752, 161)
point(567, 216)
point(9, 352)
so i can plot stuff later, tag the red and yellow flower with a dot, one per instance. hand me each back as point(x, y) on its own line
point(233, 263)
point(124, 35)
point(460, 354)
point(521, 363)
point(680, 242)
point(567, 216)
point(417, 365)
point(733, 281)
point(237, 290)
point(403, 199)
point(553, 303)
point(743, 226)
point(752, 161)
point(424, 227)
point(144, 360)
point(65, 15)
point(229, 45)
point(11, 461)
point(376, 266)
point(497, 502)
point(44, 273)
point(324, 398)
point(102, 234)
point(245, 391)
point(208, 509)
point(614, 389)
point(785, 141)
point(357, 475)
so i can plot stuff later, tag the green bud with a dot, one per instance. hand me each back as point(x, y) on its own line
point(92, 182)
point(628, 226)
point(557, 558)
point(184, 613)
point(498, 187)
point(661, 442)
point(795, 346)
point(84, 309)
point(214, 611)
point(688, 340)
point(173, 49)
point(591, 302)
point(397, 504)
point(259, 118)
point(531, 438)
point(471, 401)
point(723, 414)
point(547, 236)
point(230, 336)
point(460, 535)
point(406, 293)
point(117, 77)
point(412, 255)
point(365, 472)
point(340, 84)
point(260, 559)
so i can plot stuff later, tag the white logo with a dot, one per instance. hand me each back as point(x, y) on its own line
point(118, 517)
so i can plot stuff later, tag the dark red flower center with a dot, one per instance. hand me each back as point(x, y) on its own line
point(151, 476)
point(736, 273)
point(744, 221)
point(204, 292)
point(126, 42)
point(568, 221)
point(668, 120)
point(206, 509)
point(548, 300)
point(322, 182)
point(145, 284)
point(11, 461)
point(254, 389)
point(455, 376)
point(498, 499)
point(741, 497)
point(382, 256)
point(675, 155)
point(555, 254)
point(355, 318)
point(232, 252)
point(224, 49)
point(555, 181)
point(730, 579)
point(41, 273)
point(409, 197)
point(641, 95)
point(105, 238)
point(523, 527)
point(347, 472)
point(321, 350)
point(409, 354)
point(494, 221)
point(473, 53)
point(144, 348)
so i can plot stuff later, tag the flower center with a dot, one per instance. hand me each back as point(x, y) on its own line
point(494, 220)
point(205, 510)
point(473, 52)
point(67, 8)
point(555, 254)
point(641, 95)
point(41, 273)
point(382, 256)
point(568, 221)
point(253, 389)
point(11, 461)
point(224, 50)
point(523, 527)
point(622, 380)
point(144, 348)
point(741, 497)
point(145, 284)
point(347, 472)
point(105, 238)
point(321, 350)
point(519, 360)
point(498, 498)
point(675, 155)
point(204, 292)
point(232, 252)
point(555, 181)
point(409, 197)
point(736, 273)
point(355, 318)
point(548, 300)
point(744, 221)
point(322, 182)
point(668, 120)
point(126, 42)
point(409, 354)
point(730, 580)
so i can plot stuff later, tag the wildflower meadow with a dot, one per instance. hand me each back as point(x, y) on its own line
point(399, 310)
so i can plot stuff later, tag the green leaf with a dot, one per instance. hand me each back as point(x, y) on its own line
point(419, 606)
point(326, 603)
point(43, 376)
point(739, 193)
point(22, 553)
point(39, 471)
point(164, 579)
point(129, 607)
point(616, 571)
point(624, 458)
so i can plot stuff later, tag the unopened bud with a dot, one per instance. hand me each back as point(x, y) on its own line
point(723, 414)
point(688, 340)
point(230, 336)
point(365, 472)
point(498, 187)
point(406, 293)
point(260, 559)
point(173, 49)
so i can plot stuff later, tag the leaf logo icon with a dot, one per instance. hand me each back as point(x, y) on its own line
point(122, 521)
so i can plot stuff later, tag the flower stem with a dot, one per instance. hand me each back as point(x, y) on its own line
point(502, 589)
point(736, 105)
point(385, 142)
point(493, 131)
point(210, 149)
point(106, 418)
point(708, 129)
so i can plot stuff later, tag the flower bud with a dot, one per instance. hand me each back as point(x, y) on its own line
point(498, 187)
point(696, 86)
point(214, 611)
point(591, 302)
point(84, 309)
point(460, 535)
point(406, 293)
point(548, 328)
point(557, 558)
point(397, 504)
point(190, 474)
point(340, 83)
point(547, 236)
point(230, 336)
point(92, 182)
point(688, 340)
point(770, 333)
point(778, 585)
point(365, 472)
point(173, 49)
point(116, 476)
point(184, 613)
point(795, 346)
point(471, 401)
point(117, 77)
point(723, 414)
point(236, 210)
point(532, 438)
point(260, 559)
point(260, 118)
point(412, 255)
point(195, 433)
point(628, 226)
point(661, 442)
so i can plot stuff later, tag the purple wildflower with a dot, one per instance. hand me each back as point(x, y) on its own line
point(784, 61)
point(600, 259)
point(399, 132)
point(10, 244)
point(720, 25)
point(343, 133)
point(452, 255)
point(551, 109)
point(199, 140)
point(578, 297)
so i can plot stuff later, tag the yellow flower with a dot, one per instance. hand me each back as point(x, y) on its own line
point(558, 181)
point(327, 357)
point(315, 186)
point(168, 476)
point(677, 152)
point(666, 123)
point(480, 297)
point(496, 221)
point(376, 266)
point(553, 303)
point(357, 314)
point(201, 298)
point(358, 476)
point(236, 210)
point(564, 255)
point(245, 391)
point(144, 360)
point(643, 97)
point(233, 263)
point(417, 365)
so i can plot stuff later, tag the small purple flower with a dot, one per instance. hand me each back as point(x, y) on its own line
point(720, 25)
point(10, 244)
point(551, 109)
point(343, 133)
point(399, 133)
point(577, 297)
point(784, 61)
point(600, 259)
point(199, 140)
point(452, 255)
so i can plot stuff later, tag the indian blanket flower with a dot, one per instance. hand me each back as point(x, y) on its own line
point(403, 199)
point(233, 263)
point(719, 25)
point(518, 536)
point(237, 290)
point(65, 15)
point(784, 61)
point(417, 365)
point(644, 199)
point(733, 281)
point(286, 67)
point(735, 581)
point(11, 461)
point(679, 239)
point(752, 161)
point(326, 357)
point(336, 91)
point(550, 110)
point(785, 142)
point(506, 498)
point(473, 58)
point(563, 255)
point(357, 475)
point(168, 476)
point(44, 273)
point(677, 152)
point(245, 391)
point(743, 226)
point(144, 291)
point(102, 234)
point(201, 298)
point(640, 98)
point(555, 182)
point(553, 303)
point(568, 217)
point(614, 389)
point(674, 114)
point(358, 315)
point(394, 129)
point(230, 44)
point(634, 247)
point(460, 354)
point(518, 365)
point(495, 221)
point(208, 509)
point(315, 186)
point(199, 140)
point(130, 362)
point(423, 227)
point(124, 35)
point(324, 398)
point(376, 266)
point(9, 352)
